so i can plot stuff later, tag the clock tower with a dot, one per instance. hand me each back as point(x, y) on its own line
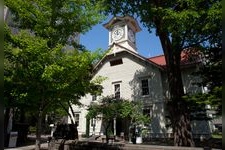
point(122, 31)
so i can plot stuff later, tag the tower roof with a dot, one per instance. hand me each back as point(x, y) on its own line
point(126, 19)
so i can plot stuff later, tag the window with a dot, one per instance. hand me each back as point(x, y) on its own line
point(147, 110)
point(94, 97)
point(93, 122)
point(116, 62)
point(76, 118)
point(117, 90)
point(145, 87)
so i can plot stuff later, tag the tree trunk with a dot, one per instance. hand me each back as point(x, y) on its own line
point(6, 121)
point(106, 130)
point(22, 115)
point(38, 130)
point(178, 109)
point(72, 111)
point(181, 124)
point(69, 114)
point(87, 127)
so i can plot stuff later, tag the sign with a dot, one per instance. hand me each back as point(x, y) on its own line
point(13, 139)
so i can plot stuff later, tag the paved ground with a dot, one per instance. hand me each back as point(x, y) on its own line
point(157, 147)
point(128, 146)
point(44, 146)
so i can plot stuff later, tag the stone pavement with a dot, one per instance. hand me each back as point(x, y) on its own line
point(128, 146)
point(44, 144)
point(30, 147)
point(157, 147)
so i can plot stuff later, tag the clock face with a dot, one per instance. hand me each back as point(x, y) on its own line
point(117, 34)
point(131, 35)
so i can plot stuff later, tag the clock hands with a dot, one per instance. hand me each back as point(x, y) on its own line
point(117, 34)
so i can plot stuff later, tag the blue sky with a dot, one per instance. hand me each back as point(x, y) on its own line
point(148, 45)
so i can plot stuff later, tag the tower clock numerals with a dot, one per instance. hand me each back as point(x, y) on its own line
point(117, 34)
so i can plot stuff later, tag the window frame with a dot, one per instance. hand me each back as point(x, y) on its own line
point(117, 94)
point(94, 98)
point(116, 62)
point(77, 119)
point(93, 122)
point(150, 109)
point(119, 83)
point(147, 88)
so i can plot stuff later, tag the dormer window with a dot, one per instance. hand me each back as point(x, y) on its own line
point(116, 62)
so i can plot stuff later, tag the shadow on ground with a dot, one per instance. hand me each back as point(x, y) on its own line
point(212, 143)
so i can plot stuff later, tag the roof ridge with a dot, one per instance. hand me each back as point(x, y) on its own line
point(138, 55)
point(156, 56)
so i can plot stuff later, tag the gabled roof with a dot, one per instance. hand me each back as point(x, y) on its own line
point(160, 60)
point(188, 57)
point(125, 50)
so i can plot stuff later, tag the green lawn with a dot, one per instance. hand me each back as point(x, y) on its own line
point(217, 136)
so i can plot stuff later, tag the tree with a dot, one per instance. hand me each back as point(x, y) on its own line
point(111, 108)
point(39, 72)
point(211, 75)
point(53, 20)
point(41, 77)
point(180, 25)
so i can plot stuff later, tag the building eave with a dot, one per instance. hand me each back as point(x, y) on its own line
point(130, 19)
point(125, 50)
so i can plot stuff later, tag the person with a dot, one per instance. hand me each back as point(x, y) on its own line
point(133, 136)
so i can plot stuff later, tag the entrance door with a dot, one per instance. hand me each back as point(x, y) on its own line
point(122, 125)
point(119, 126)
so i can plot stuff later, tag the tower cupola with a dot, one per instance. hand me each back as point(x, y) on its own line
point(122, 30)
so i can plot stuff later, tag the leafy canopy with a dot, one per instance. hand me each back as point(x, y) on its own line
point(188, 23)
point(35, 65)
point(179, 24)
point(55, 20)
point(110, 108)
point(39, 72)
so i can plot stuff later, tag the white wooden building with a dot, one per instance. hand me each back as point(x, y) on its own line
point(134, 77)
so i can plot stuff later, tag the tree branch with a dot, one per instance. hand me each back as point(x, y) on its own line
point(71, 118)
point(197, 43)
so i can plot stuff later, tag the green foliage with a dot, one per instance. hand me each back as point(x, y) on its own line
point(40, 73)
point(188, 22)
point(211, 75)
point(211, 69)
point(198, 102)
point(55, 20)
point(98, 55)
point(217, 136)
point(37, 66)
point(110, 108)
point(180, 24)
point(46, 73)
